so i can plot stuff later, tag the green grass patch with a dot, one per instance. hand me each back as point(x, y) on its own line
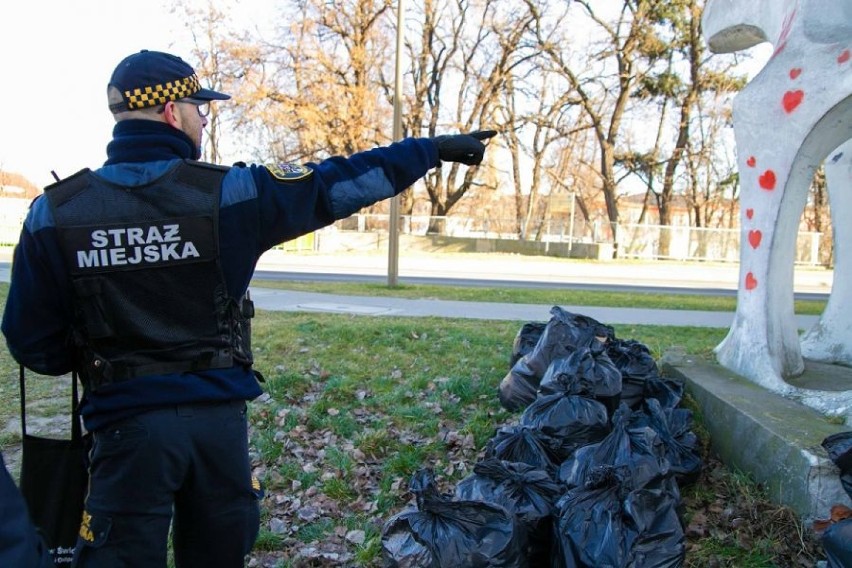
point(339, 490)
point(719, 552)
point(268, 541)
point(315, 531)
point(561, 296)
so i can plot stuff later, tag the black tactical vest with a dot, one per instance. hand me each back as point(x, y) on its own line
point(149, 294)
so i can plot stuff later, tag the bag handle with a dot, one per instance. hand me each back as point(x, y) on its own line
point(76, 428)
point(23, 402)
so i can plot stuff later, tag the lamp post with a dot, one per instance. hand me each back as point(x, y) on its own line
point(393, 227)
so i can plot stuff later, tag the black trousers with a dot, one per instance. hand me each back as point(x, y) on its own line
point(188, 464)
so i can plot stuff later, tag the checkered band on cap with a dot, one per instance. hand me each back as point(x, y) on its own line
point(151, 96)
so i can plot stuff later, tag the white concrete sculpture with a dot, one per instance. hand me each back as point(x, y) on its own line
point(795, 114)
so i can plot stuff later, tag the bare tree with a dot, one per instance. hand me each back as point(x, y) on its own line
point(221, 55)
point(322, 87)
point(536, 113)
point(462, 61)
point(817, 217)
point(602, 91)
point(574, 174)
point(650, 61)
point(532, 138)
point(335, 51)
point(679, 37)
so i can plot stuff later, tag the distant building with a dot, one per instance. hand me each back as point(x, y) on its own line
point(17, 186)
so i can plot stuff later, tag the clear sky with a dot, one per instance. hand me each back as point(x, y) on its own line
point(56, 58)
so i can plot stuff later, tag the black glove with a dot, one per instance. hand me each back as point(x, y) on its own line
point(467, 149)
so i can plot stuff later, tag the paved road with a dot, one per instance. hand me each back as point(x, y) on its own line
point(533, 270)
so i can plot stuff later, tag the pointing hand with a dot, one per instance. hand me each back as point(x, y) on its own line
point(466, 149)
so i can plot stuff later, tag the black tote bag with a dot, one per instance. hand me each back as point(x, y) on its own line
point(54, 480)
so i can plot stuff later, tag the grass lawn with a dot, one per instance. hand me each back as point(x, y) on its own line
point(353, 405)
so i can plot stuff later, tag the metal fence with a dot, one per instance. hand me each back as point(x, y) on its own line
point(635, 241)
point(692, 243)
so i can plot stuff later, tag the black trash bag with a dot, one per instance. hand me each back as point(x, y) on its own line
point(680, 425)
point(636, 364)
point(839, 448)
point(572, 417)
point(632, 357)
point(668, 391)
point(562, 335)
point(590, 364)
point(526, 340)
point(837, 543)
point(640, 375)
point(684, 461)
point(442, 533)
point(524, 490)
point(639, 450)
point(517, 391)
point(655, 515)
point(525, 445)
point(608, 523)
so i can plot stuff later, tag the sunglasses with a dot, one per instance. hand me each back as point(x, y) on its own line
point(203, 107)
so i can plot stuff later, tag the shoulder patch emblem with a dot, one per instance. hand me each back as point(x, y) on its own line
point(289, 172)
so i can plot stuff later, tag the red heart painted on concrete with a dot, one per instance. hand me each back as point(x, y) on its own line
point(749, 212)
point(754, 238)
point(767, 180)
point(751, 161)
point(795, 72)
point(792, 99)
point(844, 57)
point(750, 281)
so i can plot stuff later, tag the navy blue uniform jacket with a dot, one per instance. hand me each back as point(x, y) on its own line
point(257, 212)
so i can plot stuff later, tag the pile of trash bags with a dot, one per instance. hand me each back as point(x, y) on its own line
point(589, 476)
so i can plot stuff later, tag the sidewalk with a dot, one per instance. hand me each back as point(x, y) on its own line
point(283, 300)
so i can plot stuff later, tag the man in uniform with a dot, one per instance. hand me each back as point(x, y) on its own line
point(135, 275)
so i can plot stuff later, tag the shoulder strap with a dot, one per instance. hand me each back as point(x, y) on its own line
point(23, 403)
point(76, 427)
point(62, 191)
point(201, 174)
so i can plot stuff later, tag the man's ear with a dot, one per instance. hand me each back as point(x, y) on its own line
point(171, 114)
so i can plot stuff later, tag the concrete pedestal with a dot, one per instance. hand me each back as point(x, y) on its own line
point(773, 439)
